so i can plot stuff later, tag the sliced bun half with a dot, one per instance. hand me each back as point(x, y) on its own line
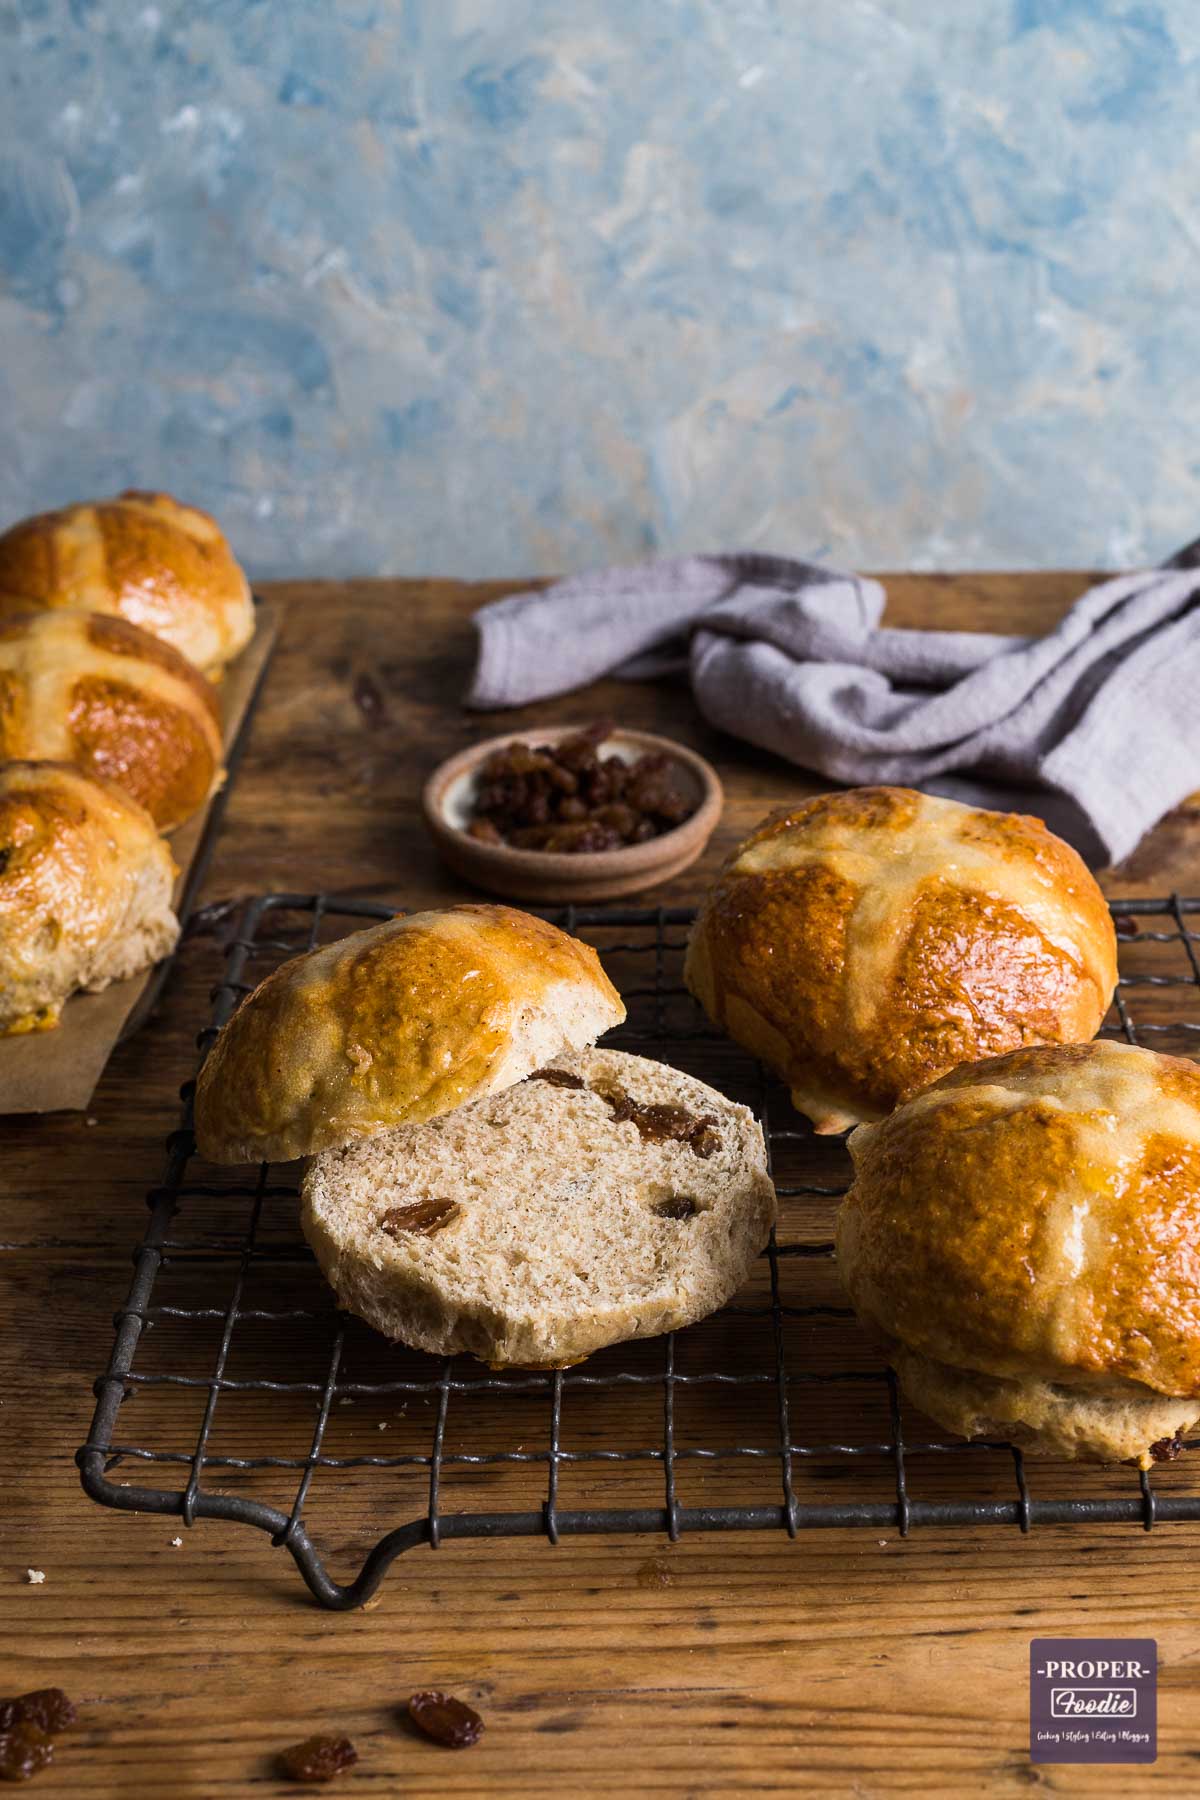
point(539, 1224)
point(396, 1025)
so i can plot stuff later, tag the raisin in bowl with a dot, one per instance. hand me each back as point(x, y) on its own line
point(545, 814)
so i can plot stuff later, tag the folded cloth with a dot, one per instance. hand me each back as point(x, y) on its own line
point(1095, 725)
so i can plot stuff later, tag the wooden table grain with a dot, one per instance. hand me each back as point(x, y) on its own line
point(847, 1662)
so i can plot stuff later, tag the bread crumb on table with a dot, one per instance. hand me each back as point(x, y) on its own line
point(177, 1543)
point(35, 1577)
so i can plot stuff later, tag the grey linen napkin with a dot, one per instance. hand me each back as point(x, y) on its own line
point(1094, 726)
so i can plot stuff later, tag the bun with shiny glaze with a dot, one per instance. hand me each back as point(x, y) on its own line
point(395, 1025)
point(1024, 1237)
point(85, 890)
point(97, 692)
point(143, 556)
point(866, 941)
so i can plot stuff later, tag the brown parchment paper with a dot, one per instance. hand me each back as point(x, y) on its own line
point(57, 1071)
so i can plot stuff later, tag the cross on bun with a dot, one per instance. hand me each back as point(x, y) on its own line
point(394, 1025)
point(85, 890)
point(864, 942)
point(1025, 1239)
point(162, 566)
point(95, 691)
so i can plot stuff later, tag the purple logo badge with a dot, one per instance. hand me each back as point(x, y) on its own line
point(1093, 1700)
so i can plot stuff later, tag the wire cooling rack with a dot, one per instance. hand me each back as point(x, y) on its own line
point(238, 1386)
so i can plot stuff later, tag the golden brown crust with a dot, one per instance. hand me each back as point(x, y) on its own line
point(973, 975)
point(785, 934)
point(834, 821)
point(151, 748)
point(113, 700)
point(866, 941)
point(1037, 1216)
point(394, 1025)
point(117, 637)
point(85, 884)
point(142, 556)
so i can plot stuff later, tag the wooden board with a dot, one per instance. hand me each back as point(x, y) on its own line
point(53, 1071)
point(845, 1663)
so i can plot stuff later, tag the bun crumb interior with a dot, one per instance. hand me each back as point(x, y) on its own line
point(604, 1198)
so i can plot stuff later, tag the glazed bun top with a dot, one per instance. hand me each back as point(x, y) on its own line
point(1037, 1216)
point(864, 942)
point(161, 565)
point(394, 1025)
point(85, 889)
point(93, 690)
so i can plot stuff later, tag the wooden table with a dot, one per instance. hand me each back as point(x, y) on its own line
point(836, 1664)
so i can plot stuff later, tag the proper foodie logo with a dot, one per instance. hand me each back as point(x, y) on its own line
point(1093, 1700)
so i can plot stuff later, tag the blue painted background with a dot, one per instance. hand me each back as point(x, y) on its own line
point(502, 286)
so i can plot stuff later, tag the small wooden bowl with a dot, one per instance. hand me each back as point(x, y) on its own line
point(555, 875)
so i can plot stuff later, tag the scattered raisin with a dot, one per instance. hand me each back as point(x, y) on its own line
point(661, 1124)
point(421, 1219)
point(557, 1078)
point(1125, 926)
point(676, 1206)
point(1168, 1448)
point(657, 1123)
point(318, 1758)
point(24, 1752)
point(446, 1720)
point(47, 1708)
point(568, 799)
